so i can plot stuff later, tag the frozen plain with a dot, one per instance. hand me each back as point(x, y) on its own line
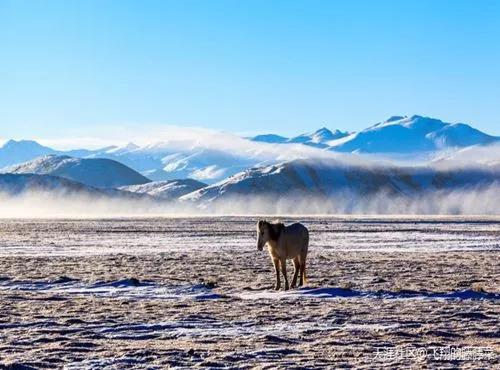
point(183, 292)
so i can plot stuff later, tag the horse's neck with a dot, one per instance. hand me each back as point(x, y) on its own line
point(272, 243)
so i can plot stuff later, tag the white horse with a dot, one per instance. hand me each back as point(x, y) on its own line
point(285, 242)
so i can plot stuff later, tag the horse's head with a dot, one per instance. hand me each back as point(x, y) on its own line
point(262, 234)
point(267, 231)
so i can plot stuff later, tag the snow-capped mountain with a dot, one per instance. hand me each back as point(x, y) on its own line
point(161, 162)
point(329, 178)
point(318, 138)
point(166, 189)
point(99, 172)
point(408, 135)
point(204, 164)
point(395, 136)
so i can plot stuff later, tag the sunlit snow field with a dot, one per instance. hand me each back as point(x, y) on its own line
point(195, 291)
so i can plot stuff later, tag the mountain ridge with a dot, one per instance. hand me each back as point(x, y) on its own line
point(307, 178)
point(170, 190)
point(95, 172)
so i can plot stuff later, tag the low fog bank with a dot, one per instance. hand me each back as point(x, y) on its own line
point(481, 201)
point(41, 204)
point(478, 201)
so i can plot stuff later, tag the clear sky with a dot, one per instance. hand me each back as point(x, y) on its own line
point(75, 67)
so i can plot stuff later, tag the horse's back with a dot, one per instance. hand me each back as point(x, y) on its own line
point(297, 229)
point(297, 238)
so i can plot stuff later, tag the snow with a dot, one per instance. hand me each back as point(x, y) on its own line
point(130, 288)
point(401, 234)
point(134, 290)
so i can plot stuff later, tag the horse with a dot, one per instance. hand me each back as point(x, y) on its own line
point(285, 242)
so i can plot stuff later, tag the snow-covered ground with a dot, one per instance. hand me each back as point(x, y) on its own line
point(404, 234)
point(182, 292)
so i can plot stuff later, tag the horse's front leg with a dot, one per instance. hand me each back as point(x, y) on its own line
point(283, 270)
point(276, 263)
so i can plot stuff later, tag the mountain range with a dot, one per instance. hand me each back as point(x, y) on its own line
point(396, 135)
point(157, 162)
point(327, 179)
point(323, 163)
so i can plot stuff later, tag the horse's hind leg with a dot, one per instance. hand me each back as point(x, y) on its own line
point(276, 263)
point(296, 267)
point(302, 262)
point(283, 270)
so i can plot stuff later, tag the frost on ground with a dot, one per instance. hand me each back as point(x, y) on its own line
point(134, 293)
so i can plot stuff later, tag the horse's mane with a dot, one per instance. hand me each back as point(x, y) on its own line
point(275, 229)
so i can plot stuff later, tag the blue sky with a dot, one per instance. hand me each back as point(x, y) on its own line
point(73, 68)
